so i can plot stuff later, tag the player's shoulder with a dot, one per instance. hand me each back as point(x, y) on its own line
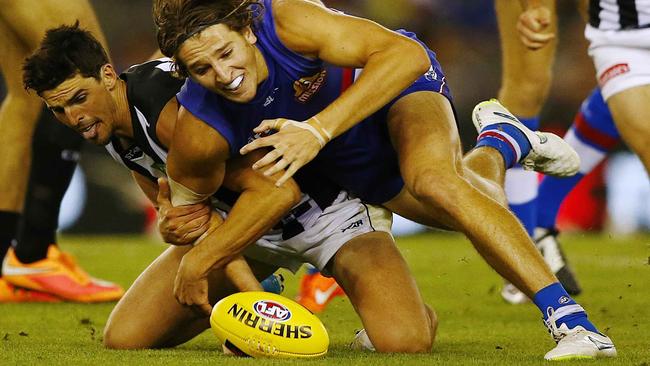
point(161, 68)
point(152, 83)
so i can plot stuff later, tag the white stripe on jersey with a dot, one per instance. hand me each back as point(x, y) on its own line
point(162, 154)
point(609, 14)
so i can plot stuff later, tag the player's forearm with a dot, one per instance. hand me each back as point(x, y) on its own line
point(385, 75)
point(254, 214)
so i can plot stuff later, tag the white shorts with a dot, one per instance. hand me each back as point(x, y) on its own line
point(621, 58)
point(325, 232)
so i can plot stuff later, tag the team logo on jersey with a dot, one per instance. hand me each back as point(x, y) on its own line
point(612, 72)
point(306, 87)
point(272, 310)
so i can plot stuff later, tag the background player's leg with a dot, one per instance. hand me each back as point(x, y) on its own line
point(55, 153)
point(631, 109)
point(149, 316)
point(18, 114)
point(525, 83)
point(380, 287)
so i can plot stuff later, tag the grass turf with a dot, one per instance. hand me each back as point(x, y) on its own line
point(476, 326)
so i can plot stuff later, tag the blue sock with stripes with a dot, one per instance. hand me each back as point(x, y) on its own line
point(555, 296)
point(507, 139)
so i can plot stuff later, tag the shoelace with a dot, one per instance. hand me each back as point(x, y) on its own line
point(553, 316)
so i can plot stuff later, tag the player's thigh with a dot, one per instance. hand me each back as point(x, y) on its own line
point(423, 130)
point(523, 91)
point(405, 205)
point(19, 109)
point(31, 18)
point(630, 109)
point(148, 314)
point(381, 288)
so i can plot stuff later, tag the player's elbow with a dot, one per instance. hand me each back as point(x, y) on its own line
point(418, 59)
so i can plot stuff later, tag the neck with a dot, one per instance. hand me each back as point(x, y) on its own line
point(262, 67)
point(124, 127)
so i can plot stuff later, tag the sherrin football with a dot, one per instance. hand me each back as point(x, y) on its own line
point(263, 324)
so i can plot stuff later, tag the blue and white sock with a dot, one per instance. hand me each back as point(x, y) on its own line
point(521, 188)
point(507, 139)
point(554, 299)
point(593, 135)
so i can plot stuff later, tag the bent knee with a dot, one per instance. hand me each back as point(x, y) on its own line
point(407, 341)
point(124, 338)
point(434, 187)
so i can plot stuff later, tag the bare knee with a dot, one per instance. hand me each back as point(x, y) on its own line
point(404, 340)
point(434, 187)
point(116, 337)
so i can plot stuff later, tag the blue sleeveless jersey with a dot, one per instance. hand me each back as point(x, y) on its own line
point(362, 160)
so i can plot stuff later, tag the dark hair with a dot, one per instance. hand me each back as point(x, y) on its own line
point(64, 52)
point(178, 20)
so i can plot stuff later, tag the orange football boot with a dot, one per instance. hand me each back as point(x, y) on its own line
point(11, 293)
point(316, 291)
point(58, 274)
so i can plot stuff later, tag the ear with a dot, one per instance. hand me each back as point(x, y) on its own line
point(109, 76)
point(249, 35)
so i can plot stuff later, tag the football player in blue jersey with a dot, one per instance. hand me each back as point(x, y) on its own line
point(134, 115)
point(386, 132)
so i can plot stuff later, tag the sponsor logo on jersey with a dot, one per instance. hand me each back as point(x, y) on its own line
point(431, 75)
point(267, 325)
point(272, 310)
point(612, 72)
point(134, 153)
point(306, 87)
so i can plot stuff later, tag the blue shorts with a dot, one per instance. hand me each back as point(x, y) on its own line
point(363, 160)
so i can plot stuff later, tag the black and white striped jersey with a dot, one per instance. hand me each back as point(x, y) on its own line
point(149, 86)
point(619, 14)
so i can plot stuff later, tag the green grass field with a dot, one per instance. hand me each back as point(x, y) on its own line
point(476, 326)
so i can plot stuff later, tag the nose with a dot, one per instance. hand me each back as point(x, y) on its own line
point(221, 73)
point(73, 116)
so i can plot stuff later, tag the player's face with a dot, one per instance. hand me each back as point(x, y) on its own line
point(225, 62)
point(85, 105)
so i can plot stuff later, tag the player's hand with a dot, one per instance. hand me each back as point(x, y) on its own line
point(295, 144)
point(180, 225)
point(533, 26)
point(191, 284)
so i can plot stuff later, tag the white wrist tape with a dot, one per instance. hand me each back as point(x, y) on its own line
point(312, 129)
point(182, 195)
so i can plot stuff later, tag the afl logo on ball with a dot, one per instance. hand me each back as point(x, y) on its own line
point(272, 310)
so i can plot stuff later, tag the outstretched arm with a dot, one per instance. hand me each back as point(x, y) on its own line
point(197, 162)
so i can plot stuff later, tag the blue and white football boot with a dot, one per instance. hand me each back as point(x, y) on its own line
point(549, 153)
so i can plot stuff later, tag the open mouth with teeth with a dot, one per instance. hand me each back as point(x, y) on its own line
point(90, 132)
point(235, 84)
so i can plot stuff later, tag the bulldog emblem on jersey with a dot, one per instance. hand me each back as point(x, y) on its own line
point(306, 87)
